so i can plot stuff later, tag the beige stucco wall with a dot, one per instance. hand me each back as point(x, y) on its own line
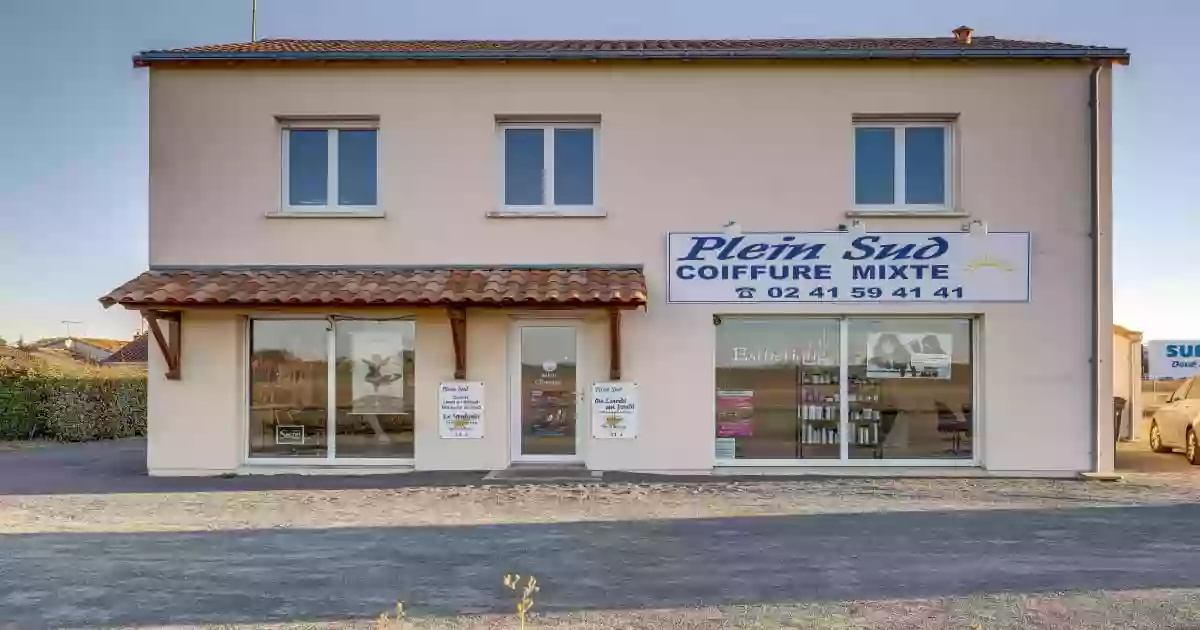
point(195, 424)
point(1127, 378)
point(682, 148)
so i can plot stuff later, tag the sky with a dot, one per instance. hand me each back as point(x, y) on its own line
point(73, 157)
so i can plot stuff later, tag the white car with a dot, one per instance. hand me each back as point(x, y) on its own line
point(1176, 424)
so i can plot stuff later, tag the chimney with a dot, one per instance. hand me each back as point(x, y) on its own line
point(962, 34)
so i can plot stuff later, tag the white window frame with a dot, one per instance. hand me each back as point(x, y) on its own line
point(548, 207)
point(250, 462)
point(898, 204)
point(332, 129)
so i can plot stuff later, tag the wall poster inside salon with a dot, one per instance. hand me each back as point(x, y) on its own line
point(908, 355)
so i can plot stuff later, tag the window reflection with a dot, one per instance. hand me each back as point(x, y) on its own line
point(549, 389)
point(374, 381)
point(289, 380)
point(777, 388)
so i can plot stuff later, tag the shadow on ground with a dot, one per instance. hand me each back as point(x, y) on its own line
point(290, 575)
point(120, 466)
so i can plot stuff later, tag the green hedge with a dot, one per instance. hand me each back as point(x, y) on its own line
point(46, 403)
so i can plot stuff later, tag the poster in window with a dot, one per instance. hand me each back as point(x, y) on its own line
point(614, 410)
point(378, 373)
point(735, 411)
point(908, 355)
point(726, 448)
point(460, 407)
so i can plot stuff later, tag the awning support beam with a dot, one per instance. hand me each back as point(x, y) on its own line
point(458, 331)
point(169, 344)
point(614, 344)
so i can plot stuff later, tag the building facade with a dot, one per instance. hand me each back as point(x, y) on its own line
point(686, 257)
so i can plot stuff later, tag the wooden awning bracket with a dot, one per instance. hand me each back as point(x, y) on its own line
point(169, 344)
point(614, 344)
point(458, 331)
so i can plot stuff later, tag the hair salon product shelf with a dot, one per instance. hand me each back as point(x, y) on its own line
point(819, 405)
point(864, 413)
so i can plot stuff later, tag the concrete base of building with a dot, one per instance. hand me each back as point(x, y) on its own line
point(1101, 476)
point(884, 471)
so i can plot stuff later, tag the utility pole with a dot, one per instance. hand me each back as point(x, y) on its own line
point(68, 323)
point(253, 20)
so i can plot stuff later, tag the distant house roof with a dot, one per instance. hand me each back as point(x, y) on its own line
point(291, 50)
point(107, 345)
point(135, 351)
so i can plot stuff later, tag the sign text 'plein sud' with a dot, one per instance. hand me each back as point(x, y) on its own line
point(841, 267)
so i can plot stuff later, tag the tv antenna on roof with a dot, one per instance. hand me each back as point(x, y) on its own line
point(253, 21)
point(68, 323)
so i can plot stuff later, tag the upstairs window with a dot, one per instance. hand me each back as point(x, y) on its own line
point(330, 167)
point(549, 168)
point(903, 166)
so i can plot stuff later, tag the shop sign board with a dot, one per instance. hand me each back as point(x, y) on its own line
point(460, 407)
point(844, 267)
point(1173, 359)
point(289, 434)
point(614, 410)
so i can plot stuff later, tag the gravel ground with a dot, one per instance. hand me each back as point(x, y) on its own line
point(496, 504)
point(1107, 610)
point(942, 553)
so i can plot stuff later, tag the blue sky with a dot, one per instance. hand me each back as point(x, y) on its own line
point(73, 116)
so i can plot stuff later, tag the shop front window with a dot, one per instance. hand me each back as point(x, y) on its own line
point(289, 388)
point(897, 389)
point(910, 388)
point(295, 414)
point(374, 388)
point(778, 388)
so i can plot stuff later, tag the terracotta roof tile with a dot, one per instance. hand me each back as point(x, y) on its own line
point(382, 286)
point(135, 351)
point(856, 48)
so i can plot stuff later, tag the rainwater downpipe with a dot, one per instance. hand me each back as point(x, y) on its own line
point(1094, 185)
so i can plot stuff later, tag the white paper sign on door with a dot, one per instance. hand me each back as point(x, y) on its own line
point(614, 410)
point(460, 406)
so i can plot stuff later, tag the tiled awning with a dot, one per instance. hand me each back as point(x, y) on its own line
point(181, 287)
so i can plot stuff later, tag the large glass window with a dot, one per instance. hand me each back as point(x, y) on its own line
point(910, 386)
point(904, 393)
point(375, 388)
point(777, 388)
point(370, 414)
point(289, 388)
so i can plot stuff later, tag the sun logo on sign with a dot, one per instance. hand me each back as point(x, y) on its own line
point(988, 261)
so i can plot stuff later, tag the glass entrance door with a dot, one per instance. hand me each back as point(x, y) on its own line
point(547, 392)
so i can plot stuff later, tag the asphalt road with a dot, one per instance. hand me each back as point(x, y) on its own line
point(259, 576)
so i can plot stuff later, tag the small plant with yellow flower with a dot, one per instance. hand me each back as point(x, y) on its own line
point(525, 601)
